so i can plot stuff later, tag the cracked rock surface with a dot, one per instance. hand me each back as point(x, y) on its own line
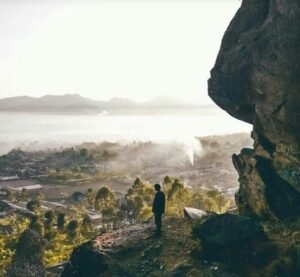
point(256, 79)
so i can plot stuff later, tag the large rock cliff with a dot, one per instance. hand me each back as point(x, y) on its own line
point(256, 79)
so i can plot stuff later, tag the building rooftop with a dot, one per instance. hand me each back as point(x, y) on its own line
point(95, 216)
point(31, 187)
point(9, 178)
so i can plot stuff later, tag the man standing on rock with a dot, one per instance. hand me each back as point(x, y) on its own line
point(158, 207)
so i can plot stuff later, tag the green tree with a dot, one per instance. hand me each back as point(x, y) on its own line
point(76, 169)
point(49, 218)
point(167, 183)
point(213, 194)
point(33, 205)
point(77, 196)
point(177, 190)
point(218, 202)
point(83, 153)
point(167, 180)
point(178, 197)
point(211, 205)
point(60, 221)
point(10, 196)
point(90, 197)
point(39, 196)
point(109, 214)
point(23, 195)
point(50, 235)
point(36, 225)
point(145, 213)
point(138, 198)
point(72, 229)
point(105, 198)
point(197, 200)
point(137, 183)
point(87, 227)
point(138, 202)
point(27, 260)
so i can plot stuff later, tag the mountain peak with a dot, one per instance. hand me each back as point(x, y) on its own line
point(121, 102)
point(166, 101)
point(74, 102)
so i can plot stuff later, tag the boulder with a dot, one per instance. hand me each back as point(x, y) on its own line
point(101, 256)
point(228, 235)
point(256, 79)
point(91, 262)
point(196, 213)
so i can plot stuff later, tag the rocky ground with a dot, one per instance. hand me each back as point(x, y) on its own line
point(135, 251)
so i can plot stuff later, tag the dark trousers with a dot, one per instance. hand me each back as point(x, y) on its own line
point(157, 217)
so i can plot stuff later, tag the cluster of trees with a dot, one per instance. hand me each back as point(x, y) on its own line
point(61, 166)
point(61, 232)
point(138, 201)
point(27, 259)
point(51, 223)
point(58, 233)
point(69, 158)
point(13, 196)
point(137, 204)
point(58, 176)
point(75, 164)
point(12, 162)
point(11, 228)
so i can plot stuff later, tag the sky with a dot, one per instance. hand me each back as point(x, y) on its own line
point(104, 49)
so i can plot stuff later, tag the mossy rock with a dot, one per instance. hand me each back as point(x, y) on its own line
point(90, 262)
point(229, 235)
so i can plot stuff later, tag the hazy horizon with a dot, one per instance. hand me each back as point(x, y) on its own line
point(157, 98)
point(105, 49)
point(139, 50)
point(43, 130)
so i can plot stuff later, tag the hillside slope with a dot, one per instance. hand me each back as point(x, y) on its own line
point(134, 251)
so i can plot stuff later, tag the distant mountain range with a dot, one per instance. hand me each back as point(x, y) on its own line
point(75, 103)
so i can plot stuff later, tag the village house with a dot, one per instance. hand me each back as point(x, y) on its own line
point(3, 193)
point(8, 178)
point(95, 218)
point(31, 190)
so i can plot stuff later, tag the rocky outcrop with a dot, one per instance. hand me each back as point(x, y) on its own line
point(256, 79)
point(229, 236)
point(135, 251)
point(196, 213)
point(27, 260)
point(101, 256)
point(230, 245)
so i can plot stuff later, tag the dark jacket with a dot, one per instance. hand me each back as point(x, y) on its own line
point(159, 203)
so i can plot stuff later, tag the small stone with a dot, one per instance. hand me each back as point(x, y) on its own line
point(214, 267)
